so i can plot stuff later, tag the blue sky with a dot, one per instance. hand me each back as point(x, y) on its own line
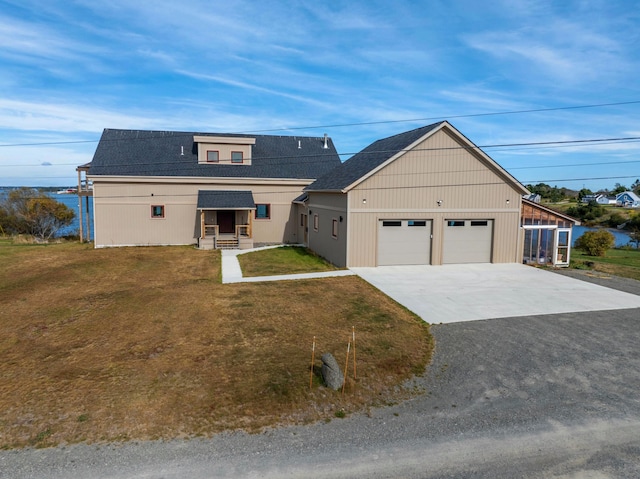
point(69, 69)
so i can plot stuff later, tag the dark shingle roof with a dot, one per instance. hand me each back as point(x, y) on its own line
point(158, 153)
point(222, 199)
point(368, 159)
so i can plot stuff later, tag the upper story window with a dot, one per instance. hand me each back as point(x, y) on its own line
point(213, 156)
point(224, 150)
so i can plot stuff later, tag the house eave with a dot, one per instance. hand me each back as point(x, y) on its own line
point(198, 180)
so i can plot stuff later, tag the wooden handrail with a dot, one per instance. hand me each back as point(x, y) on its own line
point(243, 230)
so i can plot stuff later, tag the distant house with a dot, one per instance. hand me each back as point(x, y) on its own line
point(607, 200)
point(427, 196)
point(533, 197)
point(628, 199)
point(599, 198)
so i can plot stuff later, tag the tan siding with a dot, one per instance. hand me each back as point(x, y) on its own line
point(328, 206)
point(123, 212)
point(411, 186)
point(363, 233)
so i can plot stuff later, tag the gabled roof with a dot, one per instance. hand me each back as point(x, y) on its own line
point(375, 156)
point(631, 194)
point(173, 153)
point(223, 199)
point(368, 159)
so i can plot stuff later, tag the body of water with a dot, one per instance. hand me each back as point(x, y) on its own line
point(622, 237)
point(71, 201)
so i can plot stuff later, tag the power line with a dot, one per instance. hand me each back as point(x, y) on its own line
point(343, 125)
point(313, 157)
point(471, 115)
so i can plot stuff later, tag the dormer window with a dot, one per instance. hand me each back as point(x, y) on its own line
point(213, 156)
point(224, 150)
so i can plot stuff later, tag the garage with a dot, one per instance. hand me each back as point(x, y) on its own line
point(404, 242)
point(467, 241)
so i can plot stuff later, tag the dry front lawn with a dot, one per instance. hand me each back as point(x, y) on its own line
point(143, 343)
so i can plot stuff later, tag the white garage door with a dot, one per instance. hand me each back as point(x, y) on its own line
point(467, 241)
point(404, 242)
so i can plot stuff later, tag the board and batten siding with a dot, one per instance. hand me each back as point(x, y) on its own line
point(122, 212)
point(328, 206)
point(439, 169)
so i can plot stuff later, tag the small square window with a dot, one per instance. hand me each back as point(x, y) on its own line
point(302, 219)
point(236, 157)
point(157, 211)
point(263, 212)
point(334, 228)
point(213, 156)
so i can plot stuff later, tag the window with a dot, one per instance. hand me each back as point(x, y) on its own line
point(479, 223)
point(213, 156)
point(316, 222)
point(455, 223)
point(416, 223)
point(236, 157)
point(157, 211)
point(334, 228)
point(302, 219)
point(392, 223)
point(263, 212)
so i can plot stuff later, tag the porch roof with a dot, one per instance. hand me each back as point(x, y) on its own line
point(225, 200)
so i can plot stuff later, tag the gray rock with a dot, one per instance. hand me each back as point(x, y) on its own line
point(331, 372)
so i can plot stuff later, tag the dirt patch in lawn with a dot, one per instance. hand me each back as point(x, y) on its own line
point(144, 343)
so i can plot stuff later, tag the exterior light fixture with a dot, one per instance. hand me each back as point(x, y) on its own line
point(364, 201)
point(439, 202)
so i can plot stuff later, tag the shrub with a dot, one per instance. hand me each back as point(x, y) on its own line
point(595, 243)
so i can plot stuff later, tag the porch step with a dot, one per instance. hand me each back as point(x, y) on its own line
point(227, 243)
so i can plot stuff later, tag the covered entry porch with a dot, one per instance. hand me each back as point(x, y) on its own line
point(226, 219)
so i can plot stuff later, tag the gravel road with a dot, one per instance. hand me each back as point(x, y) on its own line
point(539, 396)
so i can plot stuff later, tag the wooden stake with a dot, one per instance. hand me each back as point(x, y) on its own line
point(346, 367)
point(354, 352)
point(313, 358)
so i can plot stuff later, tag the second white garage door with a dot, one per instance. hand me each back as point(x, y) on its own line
point(404, 242)
point(467, 241)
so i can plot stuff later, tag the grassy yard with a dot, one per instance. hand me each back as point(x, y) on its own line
point(618, 262)
point(285, 260)
point(142, 343)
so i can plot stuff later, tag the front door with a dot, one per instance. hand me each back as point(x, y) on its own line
point(226, 222)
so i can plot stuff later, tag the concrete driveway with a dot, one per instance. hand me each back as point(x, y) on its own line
point(467, 292)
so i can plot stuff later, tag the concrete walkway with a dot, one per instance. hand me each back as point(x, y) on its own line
point(232, 273)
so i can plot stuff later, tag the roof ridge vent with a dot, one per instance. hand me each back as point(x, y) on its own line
point(325, 146)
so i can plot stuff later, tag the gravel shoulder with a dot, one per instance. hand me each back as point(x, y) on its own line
point(535, 396)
